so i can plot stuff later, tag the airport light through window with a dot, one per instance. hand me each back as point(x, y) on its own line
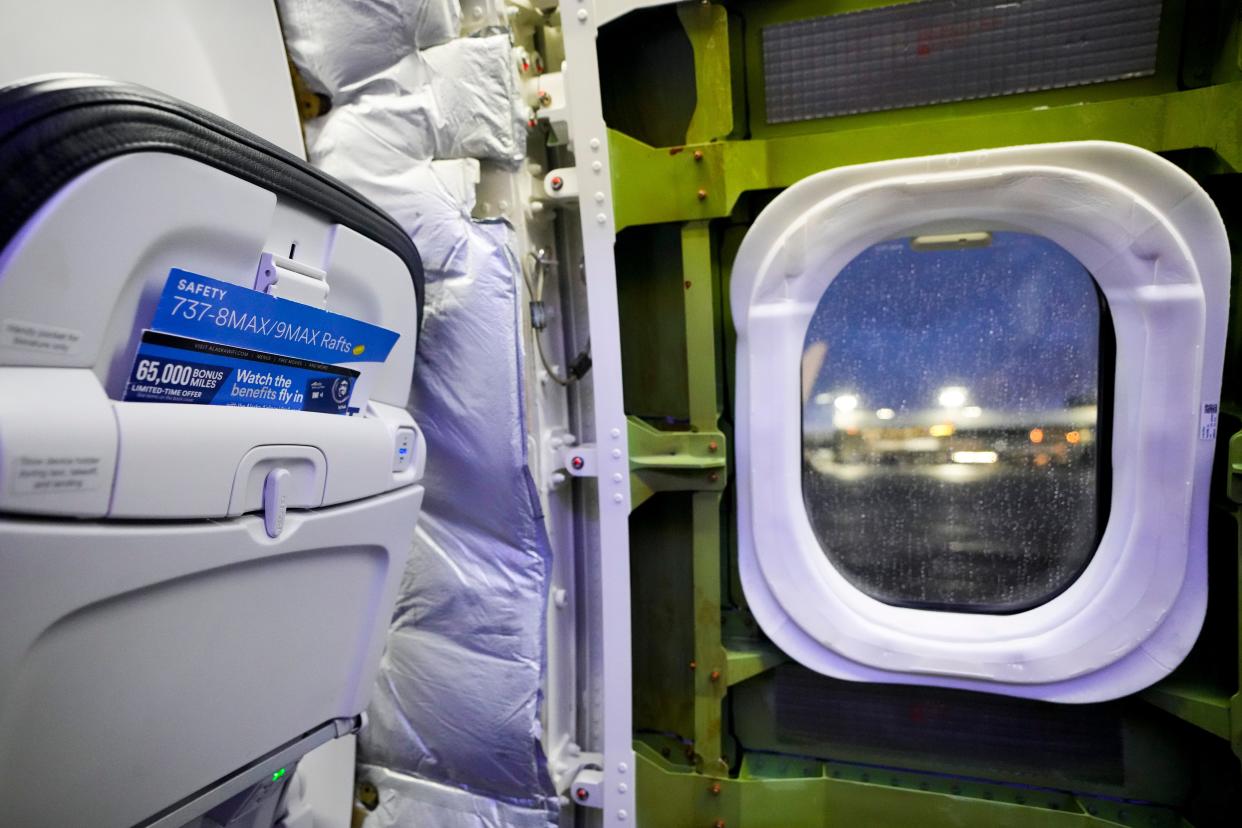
point(950, 445)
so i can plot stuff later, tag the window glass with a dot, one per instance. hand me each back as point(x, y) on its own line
point(951, 451)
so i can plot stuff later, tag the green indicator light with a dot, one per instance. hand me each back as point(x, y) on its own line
point(278, 774)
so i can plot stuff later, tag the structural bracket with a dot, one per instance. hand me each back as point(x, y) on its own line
point(674, 461)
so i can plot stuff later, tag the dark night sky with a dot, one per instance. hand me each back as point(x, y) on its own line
point(1016, 323)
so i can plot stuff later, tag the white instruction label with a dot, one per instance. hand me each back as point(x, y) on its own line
point(35, 336)
point(44, 475)
point(1207, 421)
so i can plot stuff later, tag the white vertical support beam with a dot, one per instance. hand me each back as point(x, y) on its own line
point(590, 141)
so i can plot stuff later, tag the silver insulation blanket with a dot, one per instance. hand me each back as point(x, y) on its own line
point(417, 803)
point(458, 696)
point(453, 733)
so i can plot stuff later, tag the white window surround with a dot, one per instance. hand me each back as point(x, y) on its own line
point(1156, 246)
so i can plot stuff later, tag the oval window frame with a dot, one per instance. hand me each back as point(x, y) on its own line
point(1156, 246)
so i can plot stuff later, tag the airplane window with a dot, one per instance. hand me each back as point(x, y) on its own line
point(950, 422)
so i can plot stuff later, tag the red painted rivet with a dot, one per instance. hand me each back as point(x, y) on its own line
point(713, 477)
point(557, 182)
point(715, 676)
point(577, 462)
point(582, 794)
point(715, 789)
point(713, 446)
point(698, 155)
point(694, 665)
point(720, 823)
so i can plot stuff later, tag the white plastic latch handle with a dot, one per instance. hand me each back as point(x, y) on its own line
point(287, 279)
point(275, 499)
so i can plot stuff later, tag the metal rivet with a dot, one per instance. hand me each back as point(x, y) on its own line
point(597, 166)
point(622, 767)
point(698, 155)
point(702, 194)
point(582, 15)
point(623, 788)
point(616, 454)
point(600, 218)
point(617, 498)
point(617, 478)
point(615, 433)
point(694, 665)
point(715, 676)
point(599, 198)
point(622, 816)
point(715, 789)
point(713, 477)
point(595, 144)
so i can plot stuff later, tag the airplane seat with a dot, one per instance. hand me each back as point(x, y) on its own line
point(208, 478)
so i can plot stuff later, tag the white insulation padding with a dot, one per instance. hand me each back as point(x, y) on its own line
point(338, 44)
point(457, 99)
point(453, 732)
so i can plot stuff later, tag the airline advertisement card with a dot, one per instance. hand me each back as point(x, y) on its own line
point(324, 354)
point(176, 369)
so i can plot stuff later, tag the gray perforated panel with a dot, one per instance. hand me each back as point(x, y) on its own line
point(951, 50)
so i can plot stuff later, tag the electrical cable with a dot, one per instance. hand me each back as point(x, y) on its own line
point(581, 364)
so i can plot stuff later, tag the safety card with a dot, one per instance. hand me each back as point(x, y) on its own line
point(217, 343)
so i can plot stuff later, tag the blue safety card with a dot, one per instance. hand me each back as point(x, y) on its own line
point(177, 369)
point(203, 308)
